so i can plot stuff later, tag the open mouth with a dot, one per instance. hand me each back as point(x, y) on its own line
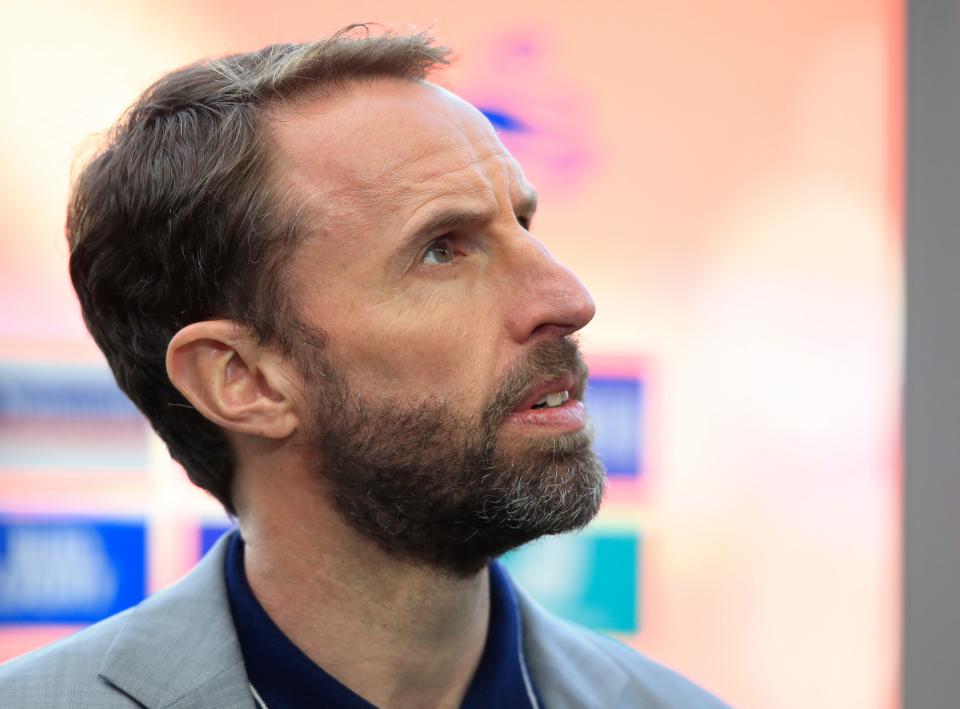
point(552, 400)
point(551, 395)
point(552, 407)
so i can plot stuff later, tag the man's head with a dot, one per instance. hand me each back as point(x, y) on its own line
point(329, 254)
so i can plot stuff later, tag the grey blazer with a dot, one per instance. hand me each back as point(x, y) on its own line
point(179, 649)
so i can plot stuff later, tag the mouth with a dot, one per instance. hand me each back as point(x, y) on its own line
point(551, 395)
point(552, 407)
point(552, 400)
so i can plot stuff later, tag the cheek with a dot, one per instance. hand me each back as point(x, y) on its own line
point(435, 351)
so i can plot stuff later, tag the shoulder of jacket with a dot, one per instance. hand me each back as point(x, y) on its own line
point(659, 685)
point(65, 673)
point(572, 664)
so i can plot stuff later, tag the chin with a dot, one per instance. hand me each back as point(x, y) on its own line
point(459, 524)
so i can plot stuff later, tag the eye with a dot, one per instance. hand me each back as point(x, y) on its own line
point(439, 252)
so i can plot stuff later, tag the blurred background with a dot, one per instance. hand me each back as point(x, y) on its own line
point(724, 177)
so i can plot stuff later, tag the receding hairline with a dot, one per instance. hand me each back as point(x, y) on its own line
point(305, 105)
point(281, 72)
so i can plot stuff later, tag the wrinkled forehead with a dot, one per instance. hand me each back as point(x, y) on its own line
point(387, 137)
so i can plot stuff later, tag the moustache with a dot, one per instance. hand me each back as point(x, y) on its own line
point(546, 360)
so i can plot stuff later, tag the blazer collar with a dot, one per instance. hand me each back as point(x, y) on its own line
point(180, 647)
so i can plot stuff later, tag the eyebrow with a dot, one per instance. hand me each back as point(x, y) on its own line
point(448, 219)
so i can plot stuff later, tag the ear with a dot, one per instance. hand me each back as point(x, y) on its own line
point(232, 380)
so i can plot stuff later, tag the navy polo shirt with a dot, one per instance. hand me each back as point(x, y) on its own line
point(285, 678)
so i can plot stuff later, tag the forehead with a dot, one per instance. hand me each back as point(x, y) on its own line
point(391, 142)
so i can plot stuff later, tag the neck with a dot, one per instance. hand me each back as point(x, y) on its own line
point(420, 632)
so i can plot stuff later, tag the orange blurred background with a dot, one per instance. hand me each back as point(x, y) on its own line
point(724, 177)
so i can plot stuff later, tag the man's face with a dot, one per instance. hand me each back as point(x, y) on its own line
point(448, 421)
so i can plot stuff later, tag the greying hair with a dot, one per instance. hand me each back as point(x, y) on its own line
point(176, 219)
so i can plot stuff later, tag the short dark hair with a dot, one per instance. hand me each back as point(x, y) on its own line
point(176, 220)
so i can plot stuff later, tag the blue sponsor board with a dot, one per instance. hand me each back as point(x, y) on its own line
point(616, 409)
point(43, 392)
point(591, 578)
point(69, 570)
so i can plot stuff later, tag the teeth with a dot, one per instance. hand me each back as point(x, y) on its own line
point(554, 399)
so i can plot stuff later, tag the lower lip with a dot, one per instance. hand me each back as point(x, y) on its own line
point(570, 416)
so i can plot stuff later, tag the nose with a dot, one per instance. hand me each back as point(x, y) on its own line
point(542, 299)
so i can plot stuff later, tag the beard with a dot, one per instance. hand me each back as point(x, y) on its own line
point(435, 487)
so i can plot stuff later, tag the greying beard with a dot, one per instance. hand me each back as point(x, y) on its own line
point(433, 487)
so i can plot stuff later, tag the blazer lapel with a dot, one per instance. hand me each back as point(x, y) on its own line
point(569, 667)
point(180, 648)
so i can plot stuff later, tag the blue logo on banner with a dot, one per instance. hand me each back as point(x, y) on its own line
point(503, 120)
point(69, 571)
point(210, 534)
point(615, 406)
point(590, 578)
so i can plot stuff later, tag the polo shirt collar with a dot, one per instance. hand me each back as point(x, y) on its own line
point(284, 677)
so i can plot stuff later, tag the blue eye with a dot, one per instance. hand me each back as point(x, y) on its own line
point(439, 253)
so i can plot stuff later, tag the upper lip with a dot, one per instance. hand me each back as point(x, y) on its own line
point(567, 383)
